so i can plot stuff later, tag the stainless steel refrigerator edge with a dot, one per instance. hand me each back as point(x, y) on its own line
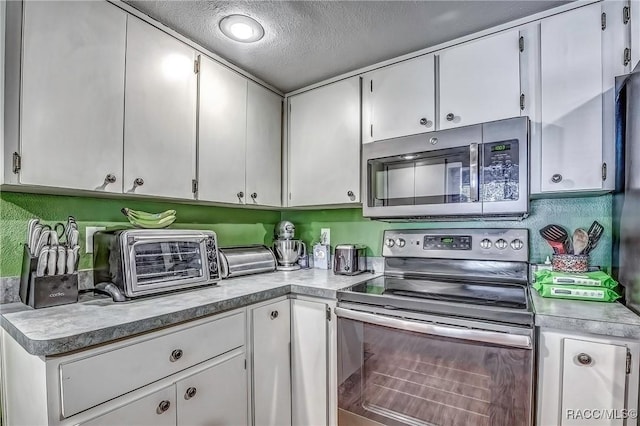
point(626, 202)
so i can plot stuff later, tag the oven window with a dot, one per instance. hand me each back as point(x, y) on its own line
point(397, 377)
point(500, 177)
point(431, 177)
point(157, 262)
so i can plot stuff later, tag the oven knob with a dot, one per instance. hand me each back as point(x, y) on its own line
point(485, 244)
point(501, 244)
point(400, 242)
point(389, 242)
point(517, 244)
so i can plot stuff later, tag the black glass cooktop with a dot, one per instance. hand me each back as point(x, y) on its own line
point(510, 296)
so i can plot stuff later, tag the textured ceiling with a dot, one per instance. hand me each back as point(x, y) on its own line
point(309, 41)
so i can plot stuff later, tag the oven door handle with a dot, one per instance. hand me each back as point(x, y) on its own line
point(504, 339)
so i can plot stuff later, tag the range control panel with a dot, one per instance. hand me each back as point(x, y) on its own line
point(481, 244)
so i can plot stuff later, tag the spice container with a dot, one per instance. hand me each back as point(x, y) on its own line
point(570, 262)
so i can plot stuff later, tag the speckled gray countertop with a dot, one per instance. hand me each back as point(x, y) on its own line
point(608, 319)
point(60, 329)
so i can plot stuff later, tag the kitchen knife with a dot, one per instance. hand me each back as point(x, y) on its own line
point(30, 228)
point(74, 235)
point(35, 236)
point(61, 261)
point(71, 261)
point(53, 238)
point(52, 260)
point(42, 242)
point(42, 263)
point(76, 257)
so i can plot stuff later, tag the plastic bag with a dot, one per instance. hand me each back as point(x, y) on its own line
point(598, 294)
point(583, 279)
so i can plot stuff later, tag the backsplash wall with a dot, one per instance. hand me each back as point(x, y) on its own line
point(233, 226)
point(348, 225)
point(238, 226)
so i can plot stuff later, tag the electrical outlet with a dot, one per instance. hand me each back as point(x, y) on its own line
point(89, 231)
point(327, 233)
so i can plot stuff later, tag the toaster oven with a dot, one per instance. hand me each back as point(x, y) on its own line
point(140, 262)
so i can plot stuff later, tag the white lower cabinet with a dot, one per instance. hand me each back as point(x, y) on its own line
point(271, 364)
point(313, 362)
point(191, 374)
point(586, 379)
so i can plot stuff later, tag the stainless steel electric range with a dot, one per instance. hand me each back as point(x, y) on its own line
point(444, 337)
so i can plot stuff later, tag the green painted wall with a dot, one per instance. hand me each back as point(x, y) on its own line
point(348, 225)
point(236, 226)
point(233, 226)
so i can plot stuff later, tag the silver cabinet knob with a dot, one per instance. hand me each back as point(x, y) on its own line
point(138, 182)
point(450, 116)
point(433, 141)
point(163, 406)
point(557, 178)
point(350, 194)
point(110, 178)
point(274, 315)
point(190, 393)
point(240, 194)
point(254, 195)
point(584, 359)
point(176, 355)
point(426, 122)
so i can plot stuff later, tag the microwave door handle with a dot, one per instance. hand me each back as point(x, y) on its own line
point(504, 339)
point(473, 172)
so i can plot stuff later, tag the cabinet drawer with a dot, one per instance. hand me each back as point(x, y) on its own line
point(95, 379)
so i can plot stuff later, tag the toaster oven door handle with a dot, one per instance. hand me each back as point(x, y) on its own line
point(157, 238)
point(503, 339)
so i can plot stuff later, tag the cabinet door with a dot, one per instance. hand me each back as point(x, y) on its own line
point(480, 81)
point(324, 145)
point(72, 95)
point(309, 360)
point(157, 409)
point(271, 336)
point(572, 101)
point(598, 367)
point(215, 396)
point(264, 143)
point(160, 113)
point(222, 132)
point(399, 100)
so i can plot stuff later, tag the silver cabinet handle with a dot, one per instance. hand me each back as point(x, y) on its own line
point(350, 194)
point(426, 122)
point(450, 116)
point(190, 393)
point(584, 359)
point(240, 194)
point(163, 406)
point(176, 355)
point(504, 339)
point(274, 315)
point(254, 195)
point(110, 178)
point(138, 182)
point(557, 178)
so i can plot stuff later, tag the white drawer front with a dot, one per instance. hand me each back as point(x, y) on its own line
point(93, 380)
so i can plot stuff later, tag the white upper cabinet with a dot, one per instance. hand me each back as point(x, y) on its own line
point(480, 81)
point(324, 145)
point(572, 110)
point(72, 95)
point(222, 129)
point(399, 100)
point(239, 138)
point(264, 147)
point(160, 113)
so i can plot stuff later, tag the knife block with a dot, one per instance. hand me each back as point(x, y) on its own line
point(50, 290)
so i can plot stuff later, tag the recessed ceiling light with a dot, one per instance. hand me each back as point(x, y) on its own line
point(241, 28)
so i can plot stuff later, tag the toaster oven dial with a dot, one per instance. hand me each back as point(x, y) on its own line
point(389, 242)
point(400, 242)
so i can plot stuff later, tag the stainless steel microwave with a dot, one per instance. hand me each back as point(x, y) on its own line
point(474, 171)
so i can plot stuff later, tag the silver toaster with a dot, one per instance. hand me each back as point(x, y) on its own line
point(350, 259)
point(138, 262)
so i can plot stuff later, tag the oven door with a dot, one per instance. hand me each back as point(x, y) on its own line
point(395, 371)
